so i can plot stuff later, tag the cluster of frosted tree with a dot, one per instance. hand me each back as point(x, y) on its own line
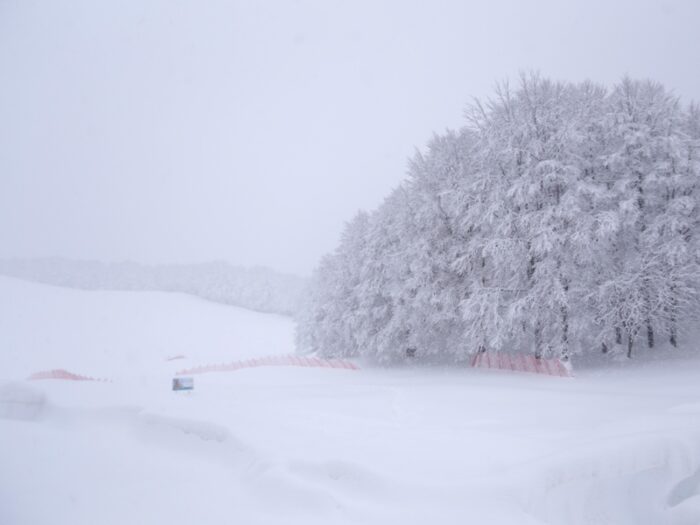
point(562, 219)
point(257, 288)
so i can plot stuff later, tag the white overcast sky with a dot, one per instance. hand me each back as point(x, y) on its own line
point(250, 131)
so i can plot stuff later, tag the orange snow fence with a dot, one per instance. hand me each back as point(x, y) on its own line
point(281, 360)
point(520, 363)
point(61, 374)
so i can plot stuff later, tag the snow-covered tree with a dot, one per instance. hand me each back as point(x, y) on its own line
point(561, 219)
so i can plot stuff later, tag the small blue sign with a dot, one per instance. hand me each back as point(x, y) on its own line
point(183, 383)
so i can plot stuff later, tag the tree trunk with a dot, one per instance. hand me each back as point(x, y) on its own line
point(564, 333)
point(604, 348)
point(650, 334)
point(673, 329)
point(618, 335)
point(630, 342)
point(538, 340)
point(564, 353)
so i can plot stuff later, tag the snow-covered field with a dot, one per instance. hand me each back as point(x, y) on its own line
point(304, 445)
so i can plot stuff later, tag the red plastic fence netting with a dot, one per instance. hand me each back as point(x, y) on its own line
point(60, 373)
point(520, 363)
point(282, 360)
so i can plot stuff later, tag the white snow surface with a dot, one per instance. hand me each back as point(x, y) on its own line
point(300, 445)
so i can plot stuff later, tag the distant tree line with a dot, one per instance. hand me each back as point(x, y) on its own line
point(561, 219)
point(257, 288)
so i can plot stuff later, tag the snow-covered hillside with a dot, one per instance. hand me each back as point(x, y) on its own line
point(125, 335)
point(295, 445)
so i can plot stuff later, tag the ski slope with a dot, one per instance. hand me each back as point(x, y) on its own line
point(317, 445)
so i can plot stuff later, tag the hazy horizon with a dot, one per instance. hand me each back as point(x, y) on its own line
point(249, 132)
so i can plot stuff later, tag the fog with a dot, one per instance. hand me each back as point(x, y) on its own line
point(173, 131)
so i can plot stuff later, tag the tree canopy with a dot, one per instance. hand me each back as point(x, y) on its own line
point(561, 219)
